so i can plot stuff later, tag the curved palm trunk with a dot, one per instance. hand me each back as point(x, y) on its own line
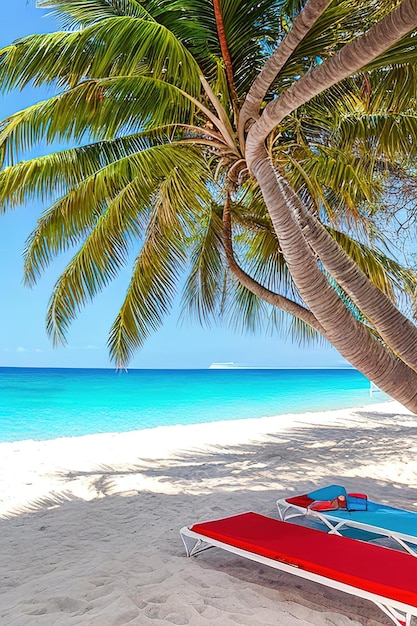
point(346, 334)
point(394, 328)
point(301, 26)
point(256, 288)
point(351, 58)
point(351, 338)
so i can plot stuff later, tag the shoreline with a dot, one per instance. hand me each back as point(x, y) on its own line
point(77, 403)
point(65, 455)
point(285, 416)
point(89, 526)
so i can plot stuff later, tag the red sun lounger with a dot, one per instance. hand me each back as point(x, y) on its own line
point(386, 577)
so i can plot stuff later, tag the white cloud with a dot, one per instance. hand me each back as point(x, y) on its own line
point(21, 349)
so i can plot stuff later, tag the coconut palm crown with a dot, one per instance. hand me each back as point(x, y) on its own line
point(235, 148)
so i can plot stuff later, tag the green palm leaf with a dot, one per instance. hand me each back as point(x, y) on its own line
point(113, 199)
point(106, 248)
point(151, 292)
point(245, 311)
point(203, 289)
point(78, 13)
point(337, 182)
point(389, 134)
point(103, 108)
point(393, 89)
point(117, 46)
point(53, 175)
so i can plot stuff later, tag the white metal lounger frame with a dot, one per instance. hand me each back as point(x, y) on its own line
point(398, 612)
point(287, 510)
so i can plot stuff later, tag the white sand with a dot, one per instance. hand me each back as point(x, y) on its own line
point(89, 526)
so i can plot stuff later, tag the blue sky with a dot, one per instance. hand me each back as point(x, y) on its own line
point(23, 339)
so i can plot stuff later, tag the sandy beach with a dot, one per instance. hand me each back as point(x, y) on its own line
point(90, 525)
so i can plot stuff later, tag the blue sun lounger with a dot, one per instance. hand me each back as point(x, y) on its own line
point(353, 515)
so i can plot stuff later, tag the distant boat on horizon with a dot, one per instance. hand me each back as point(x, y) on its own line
point(230, 365)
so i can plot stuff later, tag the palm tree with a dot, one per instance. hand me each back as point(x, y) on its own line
point(229, 141)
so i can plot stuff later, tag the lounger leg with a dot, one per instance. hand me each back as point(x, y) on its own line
point(285, 511)
point(398, 618)
point(333, 527)
point(194, 546)
point(404, 545)
point(281, 512)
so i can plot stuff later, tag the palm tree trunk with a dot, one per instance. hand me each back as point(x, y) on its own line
point(224, 47)
point(301, 26)
point(346, 334)
point(395, 329)
point(350, 59)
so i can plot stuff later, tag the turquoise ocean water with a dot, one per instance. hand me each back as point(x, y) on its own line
point(48, 403)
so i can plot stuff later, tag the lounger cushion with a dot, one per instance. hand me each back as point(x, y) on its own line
point(303, 501)
point(383, 571)
point(337, 494)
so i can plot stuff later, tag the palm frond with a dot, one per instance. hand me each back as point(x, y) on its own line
point(113, 198)
point(106, 233)
point(245, 312)
point(53, 175)
point(99, 108)
point(75, 13)
point(106, 249)
point(151, 292)
point(202, 293)
point(337, 182)
point(117, 46)
point(387, 274)
point(264, 262)
point(385, 133)
point(393, 89)
point(249, 28)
